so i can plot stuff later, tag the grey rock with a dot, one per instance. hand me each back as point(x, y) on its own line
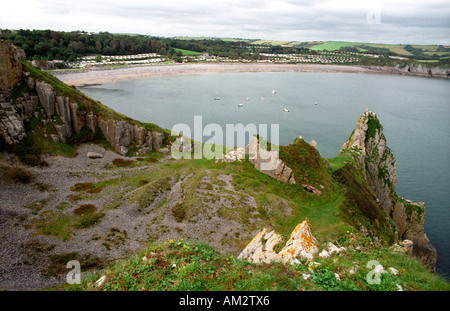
point(139, 134)
point(31, 82)
point(55, 138)
point(94, 155)
point(157, 140)
point(399, 218)
point(91, 121)
point(47, 97)
point(11, 124)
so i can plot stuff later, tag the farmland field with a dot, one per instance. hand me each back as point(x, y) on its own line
point(331, 45)
point(187, 52)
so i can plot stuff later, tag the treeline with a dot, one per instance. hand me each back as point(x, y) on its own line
point(419, 53)
point(232, 49)
point(368, 49)
point(216, 47)
point(68, 46)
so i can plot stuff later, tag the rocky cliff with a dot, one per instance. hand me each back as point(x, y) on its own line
point(27, 93)
point(10, 67)
point(415, 70)
point(377, 164)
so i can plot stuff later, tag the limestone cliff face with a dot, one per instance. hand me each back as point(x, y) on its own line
point(421, 69)
point(63, 110)
point(415, 70)
point(378, 162)
point(11, 124)
point(10, 68)
point(368, 144)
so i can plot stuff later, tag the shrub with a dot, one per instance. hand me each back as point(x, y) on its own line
point(85, 209)
point(17, 173)
point(122, 163)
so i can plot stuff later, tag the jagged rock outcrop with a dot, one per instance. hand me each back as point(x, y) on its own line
point(27, 105)
point(301, 245)
point(264, 160)
point(47, 97)
point(119, 133)
point(377, 164)
point(11, 125)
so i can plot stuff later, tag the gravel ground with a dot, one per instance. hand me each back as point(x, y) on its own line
point(20, 263)
point(25, 254)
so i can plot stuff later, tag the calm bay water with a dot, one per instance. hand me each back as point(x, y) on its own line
point(413, 111)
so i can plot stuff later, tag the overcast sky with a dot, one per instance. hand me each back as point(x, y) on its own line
point(379, 21)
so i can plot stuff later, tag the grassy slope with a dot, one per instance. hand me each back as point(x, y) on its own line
point(187, 52)
point(176, 265)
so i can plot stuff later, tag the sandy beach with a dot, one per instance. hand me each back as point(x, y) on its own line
point(100, 76)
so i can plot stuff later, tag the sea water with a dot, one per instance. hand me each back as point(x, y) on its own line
point(323, 107)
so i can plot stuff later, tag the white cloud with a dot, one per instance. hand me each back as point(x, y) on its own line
point(402, 21)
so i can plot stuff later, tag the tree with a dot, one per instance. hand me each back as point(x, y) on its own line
point(76, 46)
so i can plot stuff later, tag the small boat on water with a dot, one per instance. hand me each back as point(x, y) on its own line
point(263, 98)
point(315, 103)
point(285, 109)
point(217, 98)
point(274, 92)
point(240, 105)
point(247, 99)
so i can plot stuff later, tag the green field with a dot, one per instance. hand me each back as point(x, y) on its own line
point(331, 45)
point(187, 52)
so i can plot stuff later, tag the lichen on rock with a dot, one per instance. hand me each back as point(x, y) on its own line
point(301, 245)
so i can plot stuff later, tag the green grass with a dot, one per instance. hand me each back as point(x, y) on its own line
point(307, 165)
point(340, 161)
point(187, 52)
point(365, 47)
point(331, 45)
point(181, 266)
point(62, 225)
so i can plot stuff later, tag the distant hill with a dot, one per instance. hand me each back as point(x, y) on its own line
point(419, 52)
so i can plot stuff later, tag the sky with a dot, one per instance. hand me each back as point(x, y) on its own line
point(375, 21)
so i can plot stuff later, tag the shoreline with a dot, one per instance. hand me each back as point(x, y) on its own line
point(91, 77)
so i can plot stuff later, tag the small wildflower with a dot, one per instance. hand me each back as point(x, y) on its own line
point(171, 241)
